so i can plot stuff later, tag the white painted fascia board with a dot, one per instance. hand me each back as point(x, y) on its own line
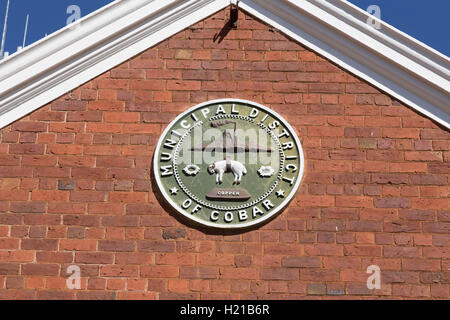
point(108, 37)
point(389, 59)
point(421, 59)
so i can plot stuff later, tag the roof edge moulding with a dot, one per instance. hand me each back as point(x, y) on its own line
point(104, 39)
point(387, 58)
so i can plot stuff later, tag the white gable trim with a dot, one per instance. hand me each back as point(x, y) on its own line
point(65, 60)
point(389, 59)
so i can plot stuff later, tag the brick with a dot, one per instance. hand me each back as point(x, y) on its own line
point(81, 220)
point(420, 265)
point(32, 149)
point(28, 207)
point(156, 246)
point(121, 117)
point(279, 274)
point(323, 250)
point(24, 126)
point(9, 268)
point(351, 178)
point(402, 226)
point(66, 185)
point(325, 131)
point(38, 269)
point(174, 234)
point(363, 226)
point(16, 255)
point(234, 273)
point(126, 221)
point(319, 275)
point(119, 271)
point(438, 253)
point(316, 289)
point(434, 134)
point(436, 227)
point(360, 88)
point(361, 250)
point(417, 214)
point(439, 168)
point(50, 195)
point(141, 128)
point(87, 196)
point(347, 155)
point(282, 248)
point(401, 133)
point(391, 178)
point(67, 127)
point(392, 203)
point(79, 245)
point(39, 244)
point(71, 105)
point(84, 116)
point(94, 258)
point(9, 160)
point(301, 262)
point(423, 156)
point(315, 201)
point(89, 173)
point(76, 232)
point(176, 259)
point(430, 203)
point(127, 197)
point(401, 252)
point(13, 282)
point(408, 167)
point(342, 263)
point(103, 128)
point(354, 202)
point(54, 257)
point(434, 277)
point(106, 105)
point(95, 295)
point(159, 272)
point(427, 179)
point(135, 258)
point(115, 245)
point(65, 138)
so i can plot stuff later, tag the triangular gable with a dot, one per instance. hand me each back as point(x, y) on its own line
point(387, 58)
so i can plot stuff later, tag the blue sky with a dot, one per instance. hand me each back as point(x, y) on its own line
point(427, 21)
point(46, 16)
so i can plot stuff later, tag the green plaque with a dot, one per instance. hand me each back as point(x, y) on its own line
point(228, 163)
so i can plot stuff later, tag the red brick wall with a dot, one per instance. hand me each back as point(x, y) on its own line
point(75, 185)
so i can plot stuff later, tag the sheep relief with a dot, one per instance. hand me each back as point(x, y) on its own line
point(228, 163)
point(220, 167)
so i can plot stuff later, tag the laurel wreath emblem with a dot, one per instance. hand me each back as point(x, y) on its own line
point(266, 172)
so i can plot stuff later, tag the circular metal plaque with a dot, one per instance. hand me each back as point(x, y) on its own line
point(228, 163)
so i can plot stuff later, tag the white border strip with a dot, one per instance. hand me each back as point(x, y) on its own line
point(167, 197)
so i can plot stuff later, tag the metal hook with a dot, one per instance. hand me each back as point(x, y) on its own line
point(234, 13)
